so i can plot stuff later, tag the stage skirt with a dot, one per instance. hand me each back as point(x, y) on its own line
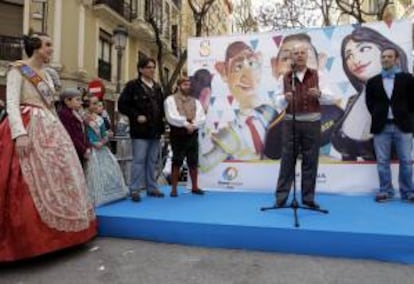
point(43, 196)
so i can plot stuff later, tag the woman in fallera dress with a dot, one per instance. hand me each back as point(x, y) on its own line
point(103, 174)
point(43, 194)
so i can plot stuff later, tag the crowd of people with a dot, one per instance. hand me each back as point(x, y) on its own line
point(55, 161)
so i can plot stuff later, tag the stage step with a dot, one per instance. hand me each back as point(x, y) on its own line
point(356, 226)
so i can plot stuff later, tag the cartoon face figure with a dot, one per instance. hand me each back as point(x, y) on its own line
point(242, 72)
point(363, 59)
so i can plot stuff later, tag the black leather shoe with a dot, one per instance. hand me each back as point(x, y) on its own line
point(135, 196)
point(311, 204)
point(155, 193)
point(382, 197)
point(197, 191)
point(409, 199)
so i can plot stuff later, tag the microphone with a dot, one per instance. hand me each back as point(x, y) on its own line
point(293, 68)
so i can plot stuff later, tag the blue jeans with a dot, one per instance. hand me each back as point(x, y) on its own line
point(145, 154)
point(403, 144)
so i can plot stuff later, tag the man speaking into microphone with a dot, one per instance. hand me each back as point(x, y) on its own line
point(301, 128)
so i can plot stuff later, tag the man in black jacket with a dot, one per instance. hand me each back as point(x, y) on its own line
point(142, 101)
point(390, 100)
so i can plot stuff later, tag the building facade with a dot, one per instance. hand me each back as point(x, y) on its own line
point(82, 34)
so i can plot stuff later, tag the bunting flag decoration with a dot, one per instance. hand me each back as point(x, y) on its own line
point(237, 112)
point(388, 22)
point(254, 43)
point(329, 63)
point(212, 100)
point(277, 40)
point(329, 32)
point(343, 86)
point(230, 99)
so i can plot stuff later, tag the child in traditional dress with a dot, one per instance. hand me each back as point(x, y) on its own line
point(103, 174)
point(70, 117)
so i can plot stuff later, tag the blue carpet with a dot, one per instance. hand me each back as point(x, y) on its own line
point(356, 226)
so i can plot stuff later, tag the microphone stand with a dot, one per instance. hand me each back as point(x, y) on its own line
point(294, 204)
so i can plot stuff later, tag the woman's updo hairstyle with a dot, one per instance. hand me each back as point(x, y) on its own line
point(32, 42)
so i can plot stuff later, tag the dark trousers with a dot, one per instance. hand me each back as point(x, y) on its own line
point(307, 143)
point(185, 146)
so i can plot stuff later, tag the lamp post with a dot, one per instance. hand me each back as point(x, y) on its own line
point(120, 35)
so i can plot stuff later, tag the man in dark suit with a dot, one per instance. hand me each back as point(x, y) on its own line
point(390, 100)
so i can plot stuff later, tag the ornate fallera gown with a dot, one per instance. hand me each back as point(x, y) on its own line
point(103, 173)
point(43, 195)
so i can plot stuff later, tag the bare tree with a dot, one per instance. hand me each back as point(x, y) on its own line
point(243, 19)
point(360, 10)
point(296, 14)
point(200, 10)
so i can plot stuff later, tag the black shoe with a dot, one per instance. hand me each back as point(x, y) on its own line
point(197, 191)
point(382, 197)
point(173, 194)
point(155, 193)
point(409, 199)
point(135, 196)
point(311, 204)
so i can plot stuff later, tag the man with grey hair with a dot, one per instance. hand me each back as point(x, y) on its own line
point(301, 128)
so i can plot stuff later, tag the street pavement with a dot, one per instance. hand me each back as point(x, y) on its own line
point(109, 260)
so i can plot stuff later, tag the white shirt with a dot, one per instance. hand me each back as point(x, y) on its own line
point(174, 118)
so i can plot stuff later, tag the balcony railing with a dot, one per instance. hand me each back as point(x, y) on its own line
point(104, 70)
point(122, 7)
point(10, 48)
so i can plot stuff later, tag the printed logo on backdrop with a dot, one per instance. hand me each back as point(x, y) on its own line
point(230, 173)
point(229, 176)
point(205, 49)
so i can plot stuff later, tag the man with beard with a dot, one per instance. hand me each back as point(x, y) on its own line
point(185, 115)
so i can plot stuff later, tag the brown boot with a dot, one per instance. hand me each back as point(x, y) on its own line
point(175, 175)
point(194, 181)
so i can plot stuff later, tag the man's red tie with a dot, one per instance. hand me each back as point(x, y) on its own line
point(257, 141)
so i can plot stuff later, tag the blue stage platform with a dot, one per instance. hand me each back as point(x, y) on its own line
point(356, 226)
